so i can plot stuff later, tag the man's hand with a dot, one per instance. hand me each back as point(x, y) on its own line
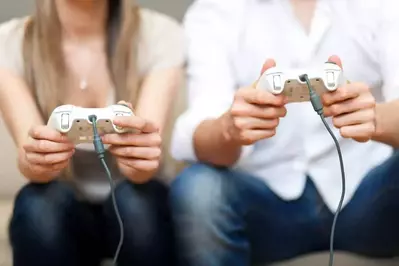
point(352, 107)
point(254, 114)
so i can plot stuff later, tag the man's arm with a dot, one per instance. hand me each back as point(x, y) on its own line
point(212, 29)
point(387, 130)
point(211, 144)
point(387, 114)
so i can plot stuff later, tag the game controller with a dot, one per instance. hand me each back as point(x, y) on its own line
point(75, 122)
point(295, 88)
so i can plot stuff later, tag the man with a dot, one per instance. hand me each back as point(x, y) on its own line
point(267, 182)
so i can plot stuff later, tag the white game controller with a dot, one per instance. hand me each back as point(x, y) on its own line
point(290, 84)
point(75, 123)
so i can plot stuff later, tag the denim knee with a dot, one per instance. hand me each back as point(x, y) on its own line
point(40, 215)
point(146, 220)
point(200, 193)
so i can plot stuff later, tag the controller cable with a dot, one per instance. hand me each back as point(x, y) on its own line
point(100, 150)
point(318, 107)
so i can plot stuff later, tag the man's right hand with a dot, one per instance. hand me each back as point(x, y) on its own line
point(46, 153)
point(254, 114)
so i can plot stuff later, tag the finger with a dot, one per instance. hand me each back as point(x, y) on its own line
point(346, 92)
point(46, 146)
point(245, 109)
point(359, 132)
point(355, 118)
point(140, 140)
point(52, 169)
point(140, 165)
point(135, 122)
point(247, 123)
point(47, 133)
point(366, 101)
point(260, 97)
point(126, 104)
point(249, 137)
point(48, 158)
point(269, 63)
point(146, 153)
point(336, 60)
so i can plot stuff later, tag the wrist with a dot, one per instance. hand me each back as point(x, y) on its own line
point(379, 122)
point(25, 168)
point(136, 176)
point(386, 124)
point(225, 123)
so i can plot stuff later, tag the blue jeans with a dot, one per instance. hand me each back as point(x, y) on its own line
point(51, 227)
point(227, 218)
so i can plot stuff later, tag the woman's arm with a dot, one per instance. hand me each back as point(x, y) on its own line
point(158, 91)
point(20, 114)
point(17, 106)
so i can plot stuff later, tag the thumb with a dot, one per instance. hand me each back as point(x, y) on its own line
point(125, 104)
point(269, 63)
point(335, 59)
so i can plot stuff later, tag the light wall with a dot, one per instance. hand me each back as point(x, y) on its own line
point(175, 8)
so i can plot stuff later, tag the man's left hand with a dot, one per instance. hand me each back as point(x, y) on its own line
point(352, 108)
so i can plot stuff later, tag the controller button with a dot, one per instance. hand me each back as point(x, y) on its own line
point(65, 121)
point(124, 105)
point(277, 82)
point(330, 79)
point(118, 114)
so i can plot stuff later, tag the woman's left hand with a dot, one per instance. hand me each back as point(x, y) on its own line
point(137, 154)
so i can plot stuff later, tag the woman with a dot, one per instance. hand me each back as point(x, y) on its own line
point(89, 54)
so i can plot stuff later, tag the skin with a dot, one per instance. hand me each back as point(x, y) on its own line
point(254, 114)
point(44, 152)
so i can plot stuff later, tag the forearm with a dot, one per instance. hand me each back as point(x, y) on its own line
point(387, 117)
point(212, 146)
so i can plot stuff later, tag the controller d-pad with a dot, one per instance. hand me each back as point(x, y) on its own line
point(330, 79)
point(117, 127)
point(64, 121)
point(277, 82)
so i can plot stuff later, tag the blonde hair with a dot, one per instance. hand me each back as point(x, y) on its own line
point(44, 64)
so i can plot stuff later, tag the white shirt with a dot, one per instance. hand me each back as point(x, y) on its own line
point(228, 41)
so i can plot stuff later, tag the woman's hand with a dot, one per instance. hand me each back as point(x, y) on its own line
point(137, 154)
point(45, 154)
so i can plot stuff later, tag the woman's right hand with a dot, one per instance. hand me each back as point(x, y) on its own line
point(46, 153)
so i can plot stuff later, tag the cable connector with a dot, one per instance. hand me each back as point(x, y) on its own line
point(318, 107)
point(314, 97)
point(97, 142)
point(100, 150)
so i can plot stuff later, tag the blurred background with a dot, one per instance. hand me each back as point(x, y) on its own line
point(11, 180)
point(175, 8)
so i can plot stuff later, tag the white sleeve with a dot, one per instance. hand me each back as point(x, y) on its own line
point(212, 29)
point(388, 48)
